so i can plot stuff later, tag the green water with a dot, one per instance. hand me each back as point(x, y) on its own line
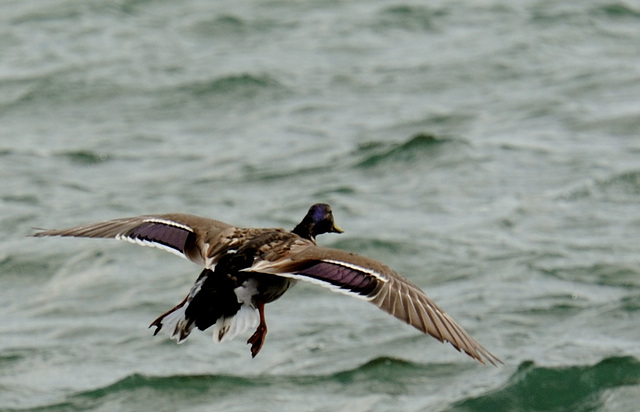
point(488, 151)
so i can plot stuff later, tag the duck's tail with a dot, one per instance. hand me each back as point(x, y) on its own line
point(212, 301)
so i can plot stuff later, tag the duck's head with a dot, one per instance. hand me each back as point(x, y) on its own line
point(319, 220)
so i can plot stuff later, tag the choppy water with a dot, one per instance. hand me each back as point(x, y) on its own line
point(487, 150)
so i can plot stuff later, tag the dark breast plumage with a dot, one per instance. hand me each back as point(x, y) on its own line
point(245, 268)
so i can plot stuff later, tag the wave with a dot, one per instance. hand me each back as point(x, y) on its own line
point(612, 11)
point(623, 184)
point(530, 387)
point(228, 26)
point(408, 17)
point(241, 84)
point(221, 92)
point(83, 157)
point(381, 375)
point(604, 274)
point(386, 369)
point(221, 26)
point(616, 10)
point(419, 146)
point(577, 388)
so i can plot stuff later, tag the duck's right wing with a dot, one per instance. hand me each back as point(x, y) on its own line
point(188, 236)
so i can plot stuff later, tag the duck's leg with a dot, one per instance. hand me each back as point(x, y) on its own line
point(257, 339)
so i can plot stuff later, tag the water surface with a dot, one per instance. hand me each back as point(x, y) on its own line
point(487, 150)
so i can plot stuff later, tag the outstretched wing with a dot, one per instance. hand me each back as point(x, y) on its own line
point(185, 235)
point(370, 280)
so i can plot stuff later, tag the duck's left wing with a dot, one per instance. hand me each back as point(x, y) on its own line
point(373, 281)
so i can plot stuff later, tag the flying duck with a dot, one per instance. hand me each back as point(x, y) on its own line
point(246, 268)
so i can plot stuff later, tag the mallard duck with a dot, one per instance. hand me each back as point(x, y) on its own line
point(246, 268)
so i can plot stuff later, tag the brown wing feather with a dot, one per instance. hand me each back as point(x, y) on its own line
point(173, 231)
point(392, 292)
point(407, 302)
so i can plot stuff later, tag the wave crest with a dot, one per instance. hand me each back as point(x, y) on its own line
point(539, 388)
